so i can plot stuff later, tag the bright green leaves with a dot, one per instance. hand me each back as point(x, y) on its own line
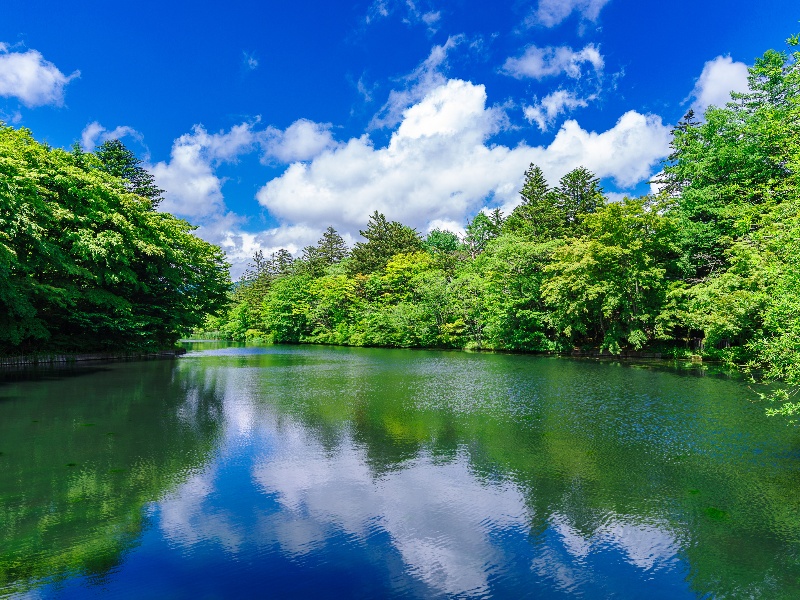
point(708, 267)
point(609, 286)
point(384, 240)
point(86, 265)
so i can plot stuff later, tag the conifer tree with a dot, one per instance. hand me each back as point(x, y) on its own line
point(579, 193)
point(120, 162)
point(384, 240)
point(538, 215)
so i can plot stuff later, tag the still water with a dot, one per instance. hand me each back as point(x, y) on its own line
point(295, 472)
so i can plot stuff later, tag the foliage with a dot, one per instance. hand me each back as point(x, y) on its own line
point(608, 286)
point(384, 240)
point(117, 160)
point(482, 229)
point(86, 265)
point(331, 249)
point(538, 216)
point(708, 267)
point(578, 194)
point(443, 241)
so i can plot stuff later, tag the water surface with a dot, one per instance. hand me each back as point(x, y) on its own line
point(337, 472)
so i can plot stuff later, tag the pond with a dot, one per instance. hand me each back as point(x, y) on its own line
point(300, 471)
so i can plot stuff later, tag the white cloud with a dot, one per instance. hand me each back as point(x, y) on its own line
point(626, 153)
point(444, 536)
point(240, 245)
point(719, 78)
point(363, 90)
point(431, 18)
point(656, 185)
point(422, 80)
point(222, 146)
point(549, 61)
point(438, 169)
point(32, 79)
point(378, 9)
point(302, 140)
point(617, 196)
point(440, 166)
point(250, 61)
point(550, 13)
point(94, 134)
point(192, 188)
point(545, 112)
point(411, 12)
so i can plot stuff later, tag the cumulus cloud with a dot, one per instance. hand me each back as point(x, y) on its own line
point(550, 13)
point(427, 76)
point(192, 188)
point(719, 78)
point(626, 153)
point(94, 134)
point(545, 111)
point(440, 166)
point(240, 245)
point(550, 61)
point(30, 78)
point(302, 140)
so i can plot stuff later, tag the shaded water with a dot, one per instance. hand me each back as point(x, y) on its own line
point(340, 472)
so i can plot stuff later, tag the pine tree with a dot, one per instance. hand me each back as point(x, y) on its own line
point(538, 215)
point(579, 193)
point(119, 161)
point(331, 249)
point(384, 240)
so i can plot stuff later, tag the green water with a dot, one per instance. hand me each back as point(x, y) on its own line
point(340, 472)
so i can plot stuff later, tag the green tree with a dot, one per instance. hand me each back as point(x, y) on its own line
point(482, 229)
point(332, 307)
point(286, 309)
point(119, 161)
point(538, 216)
point(608, 287)
point(87, 265)
point(512, 270)
point(727, 173)
point(578, 194)
point(384, 240)
point(442, 241)
point(331, 249)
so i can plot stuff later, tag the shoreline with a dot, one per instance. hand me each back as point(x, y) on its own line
point(69, 358)
point(633, 355)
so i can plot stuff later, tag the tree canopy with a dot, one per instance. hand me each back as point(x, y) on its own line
point(707, 267)
point(87, 264)
point(384, 240)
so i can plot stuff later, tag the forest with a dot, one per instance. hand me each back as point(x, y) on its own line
point(87, 263)
point(706, 267)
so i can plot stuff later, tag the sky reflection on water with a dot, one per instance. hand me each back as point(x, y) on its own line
point(371, 473)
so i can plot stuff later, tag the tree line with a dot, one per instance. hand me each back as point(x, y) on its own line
point(86, 262)
point(707, 266)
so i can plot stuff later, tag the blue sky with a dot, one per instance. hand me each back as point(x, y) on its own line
point(266, 122)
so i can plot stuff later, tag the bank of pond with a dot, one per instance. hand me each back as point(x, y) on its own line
point(340, 472)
